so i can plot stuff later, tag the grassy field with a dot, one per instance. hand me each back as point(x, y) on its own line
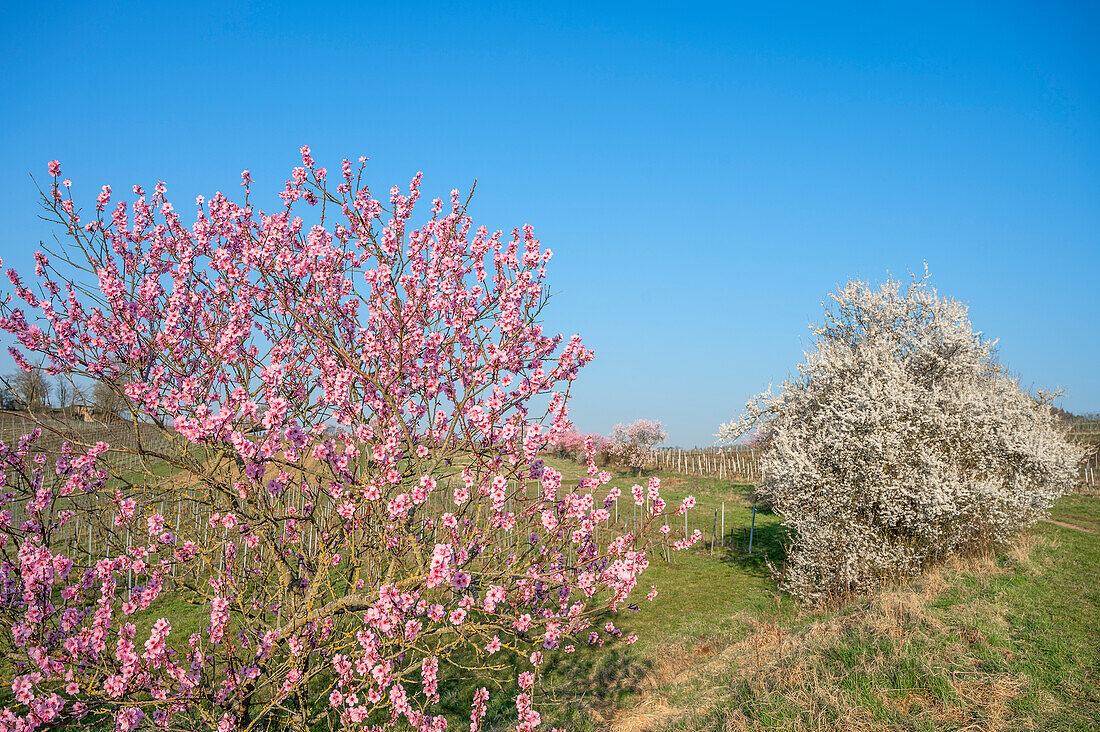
point(1009, 641)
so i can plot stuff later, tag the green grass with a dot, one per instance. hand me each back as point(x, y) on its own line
point(696, 587)
point(1009, 641)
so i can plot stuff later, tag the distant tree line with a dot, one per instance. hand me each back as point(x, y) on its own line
point(1071, 417)
point(35, 391)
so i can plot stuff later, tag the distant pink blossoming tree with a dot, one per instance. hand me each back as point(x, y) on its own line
point(568, 445)
point(632, 445)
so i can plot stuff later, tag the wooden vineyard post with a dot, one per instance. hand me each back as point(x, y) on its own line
point(714, 532)
point(668, 553)
point(175, 564)
point(129, 572)
point(723, 524)
point(752, 527)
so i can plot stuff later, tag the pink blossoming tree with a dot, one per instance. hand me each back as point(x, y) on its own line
point(568, 445)
point(632, 444)
point(342, 407)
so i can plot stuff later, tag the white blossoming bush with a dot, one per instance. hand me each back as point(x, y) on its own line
point(902, 440)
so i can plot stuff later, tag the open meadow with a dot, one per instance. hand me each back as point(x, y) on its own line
point(1001, 641)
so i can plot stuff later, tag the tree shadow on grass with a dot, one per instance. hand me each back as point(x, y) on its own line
point(575, 691)
point(585, 686)
point(769, 544)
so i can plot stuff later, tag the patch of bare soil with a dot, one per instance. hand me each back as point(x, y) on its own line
point(1064, 525)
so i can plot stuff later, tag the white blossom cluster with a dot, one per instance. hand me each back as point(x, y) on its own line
point(901, 441)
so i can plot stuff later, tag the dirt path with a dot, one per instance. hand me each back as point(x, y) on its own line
point(1064, 525)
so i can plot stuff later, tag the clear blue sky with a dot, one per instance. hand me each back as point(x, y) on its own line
point(704, 174)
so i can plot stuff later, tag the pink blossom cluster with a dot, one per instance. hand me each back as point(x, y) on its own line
point(352, 398)
point(69, 618)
